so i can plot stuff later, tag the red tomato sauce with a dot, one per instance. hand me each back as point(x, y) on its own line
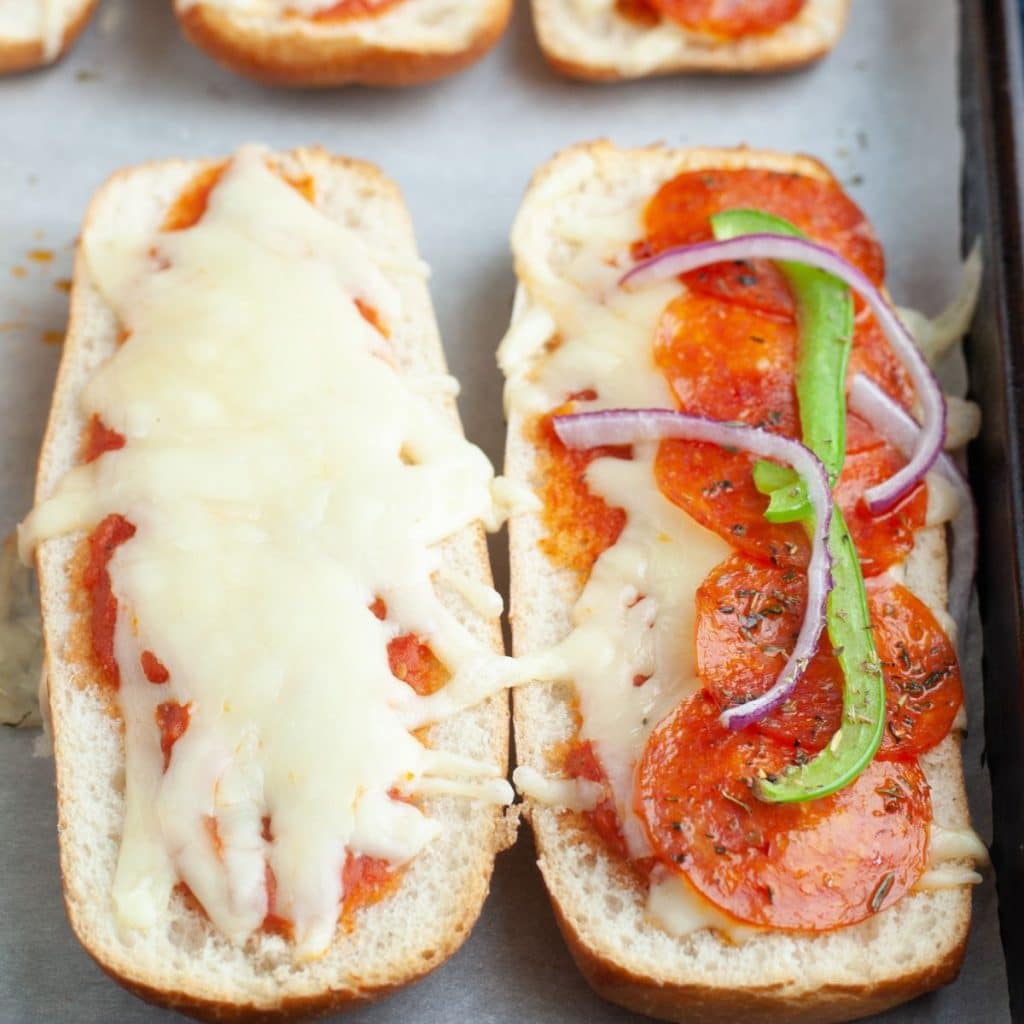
point(412, 660)
point(579, 525)
point(727, 19)
point(348, 9)
point(365, 881)
point(108, 536)
point(191, 203)
point(99, 439)
point(172, 719)
point(372, 316)
point(153, 668)
point(582, 763)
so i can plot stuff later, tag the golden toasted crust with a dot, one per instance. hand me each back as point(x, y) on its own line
point(657, 994)
point(702, 1004)
point(608, 73)
point(70, 673)
point(305, 58)
point(749, 56)
point(19, 55)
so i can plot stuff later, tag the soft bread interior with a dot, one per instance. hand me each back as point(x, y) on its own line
point(591, 39)
point(183, 961)
point(441, 26)
point(909, 948)
point(34, 32)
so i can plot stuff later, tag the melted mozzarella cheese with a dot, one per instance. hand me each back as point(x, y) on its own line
point(674, 905)
point(953, 854)
point(281, 476)
point(569, 794)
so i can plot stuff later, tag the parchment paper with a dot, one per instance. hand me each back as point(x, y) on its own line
point(882, 111)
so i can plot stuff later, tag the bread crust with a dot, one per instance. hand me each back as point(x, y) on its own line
point(746, 56)
point(307, 56)
point(674, 992)
point(703, 1004)
point(24, 55)
point(68, 676)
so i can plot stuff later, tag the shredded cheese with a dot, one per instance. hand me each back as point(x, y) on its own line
point(569, 794)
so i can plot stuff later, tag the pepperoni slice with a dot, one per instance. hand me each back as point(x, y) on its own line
point(679, 215)
point(730, 19)
point(732, 362)
point(748, 616)
point(716, 487)
point(872, 355)
point(924, 690)
point(729, 362)
point(680, 210)
point(812, 866)
point(881, 540)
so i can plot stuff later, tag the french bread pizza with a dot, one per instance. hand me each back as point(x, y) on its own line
point(742, 762)
point(328, 43)
point(609, 40)
point(36, 32)
point(272, 644)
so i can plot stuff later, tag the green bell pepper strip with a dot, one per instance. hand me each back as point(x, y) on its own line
point(789, 503)
point(825, 318)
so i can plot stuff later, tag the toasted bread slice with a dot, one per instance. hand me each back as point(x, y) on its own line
point(184, 962)
point(37, 32)
point(594, 195)
point(416, 41)
point(591, 39)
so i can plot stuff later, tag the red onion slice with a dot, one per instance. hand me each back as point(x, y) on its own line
point(633, 426)
point(930, 439)
point(889, 418)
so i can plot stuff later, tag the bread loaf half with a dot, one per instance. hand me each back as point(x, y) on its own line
point(401, 42)
point(572, 240)
point(166, 948)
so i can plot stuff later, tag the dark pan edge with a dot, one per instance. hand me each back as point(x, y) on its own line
point(992, 104)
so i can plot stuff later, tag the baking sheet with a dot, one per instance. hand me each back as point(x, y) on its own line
point(882, 111)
